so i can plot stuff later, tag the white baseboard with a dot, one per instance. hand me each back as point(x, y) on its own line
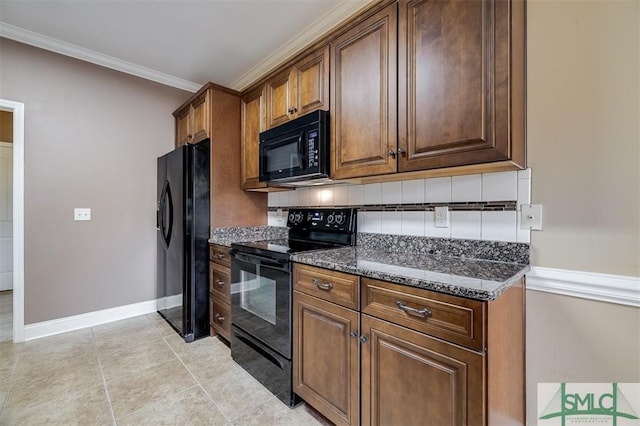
point(620, 289)
point(90, 319)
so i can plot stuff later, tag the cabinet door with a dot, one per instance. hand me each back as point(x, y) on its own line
point(200, 122)
point(326, 358)
point(252, 124)
point(280, 91)
point(312, 82)
point(409, 378)
point(183, 126)
point(456, 90)
point(363, 97)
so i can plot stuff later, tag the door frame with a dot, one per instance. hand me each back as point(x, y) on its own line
point(17, 108)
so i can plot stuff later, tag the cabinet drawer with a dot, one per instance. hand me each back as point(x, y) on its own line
point(336, 287)
point(451, 318)
point(219, 254)
point(220, 281)
point(220, 317)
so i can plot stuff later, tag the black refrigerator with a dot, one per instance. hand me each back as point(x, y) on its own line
point(183, 232)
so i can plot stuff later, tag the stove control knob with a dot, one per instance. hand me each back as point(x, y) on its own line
point(340, 219)
point(330, 219)
point(292, 217)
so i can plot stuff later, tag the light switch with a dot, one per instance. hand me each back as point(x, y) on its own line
point(81, 214)
point(531, 218)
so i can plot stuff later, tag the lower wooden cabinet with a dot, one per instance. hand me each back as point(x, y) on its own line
point(410, 378)
point(326, 358)
point(219, 291)
point(408, 356)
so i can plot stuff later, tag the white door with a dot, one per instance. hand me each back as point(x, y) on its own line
point(6, 216)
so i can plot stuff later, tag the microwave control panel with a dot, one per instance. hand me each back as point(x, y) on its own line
point(312, 148)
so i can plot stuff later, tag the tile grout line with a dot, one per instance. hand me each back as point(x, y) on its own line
point(104, 379)
point(196, 379)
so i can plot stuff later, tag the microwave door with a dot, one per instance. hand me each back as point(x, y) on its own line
point(283, 157)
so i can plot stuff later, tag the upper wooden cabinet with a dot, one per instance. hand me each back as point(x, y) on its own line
point(363, 97)
point(302, 88)
point(461, 83)
point(193, 120)
point(253, 122)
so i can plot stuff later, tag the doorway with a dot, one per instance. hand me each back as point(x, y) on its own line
point(12, 221)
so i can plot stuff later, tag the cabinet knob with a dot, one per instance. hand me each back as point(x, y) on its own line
point(391, 153)
point(219, 256)
point(353, 334)
point(363, 339)
point(401, 151)
point(220, 283)
point(292, 110)
point(219, 318)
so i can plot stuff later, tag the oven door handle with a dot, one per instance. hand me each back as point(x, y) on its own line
point(252, 258)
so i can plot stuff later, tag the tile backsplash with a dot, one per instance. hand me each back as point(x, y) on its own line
point(482, 206)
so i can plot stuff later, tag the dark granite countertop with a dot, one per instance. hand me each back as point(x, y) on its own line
point(472, 278)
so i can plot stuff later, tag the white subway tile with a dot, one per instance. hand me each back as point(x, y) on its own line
point(326, 195)
point(524, 174)
point(315, 199)
point(391, 193)
point(273, 199)
point(356, 195)
point(276, 219)
point(466, 188)
point(466, 224)
point(430, 229)
point(522, 235)
point(340, 195)
point(372, 222)
point(372, 194)
point(303, 197)
point(524, 192)
point(360, 224)
point(292, 198)
point(500, 186)
point(499, 226)
point(438, 190)
point(391, 223)
point(413, 223)
point(413, 191)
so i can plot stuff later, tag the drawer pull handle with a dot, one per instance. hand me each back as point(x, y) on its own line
point(408, 309)
point(219, 256)
point(220, 283)
point(322, 286)
point(219, 318)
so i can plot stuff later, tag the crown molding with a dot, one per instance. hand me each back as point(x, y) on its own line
point(54, 45)
point(620, 289)
point(321, 26)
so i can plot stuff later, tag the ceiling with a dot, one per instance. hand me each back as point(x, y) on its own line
point(181, 43)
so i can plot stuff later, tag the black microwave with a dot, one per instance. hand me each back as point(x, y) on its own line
point(297, 150)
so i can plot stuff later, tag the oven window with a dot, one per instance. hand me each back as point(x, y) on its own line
point(283, 157)
point(258, 295)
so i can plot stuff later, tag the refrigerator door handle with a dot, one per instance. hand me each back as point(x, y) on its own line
point(166, 228)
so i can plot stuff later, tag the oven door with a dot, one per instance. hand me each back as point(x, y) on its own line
point(261, 299)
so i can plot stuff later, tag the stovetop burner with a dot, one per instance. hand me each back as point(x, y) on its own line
point(309, 229)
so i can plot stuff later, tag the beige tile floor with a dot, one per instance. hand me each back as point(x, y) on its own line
point(134, 372)
point(6, 315)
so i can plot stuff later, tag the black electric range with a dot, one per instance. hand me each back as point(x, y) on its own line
point(261, 293)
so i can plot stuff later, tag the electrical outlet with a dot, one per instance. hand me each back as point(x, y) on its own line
point(81, 214)
point(442, 217)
